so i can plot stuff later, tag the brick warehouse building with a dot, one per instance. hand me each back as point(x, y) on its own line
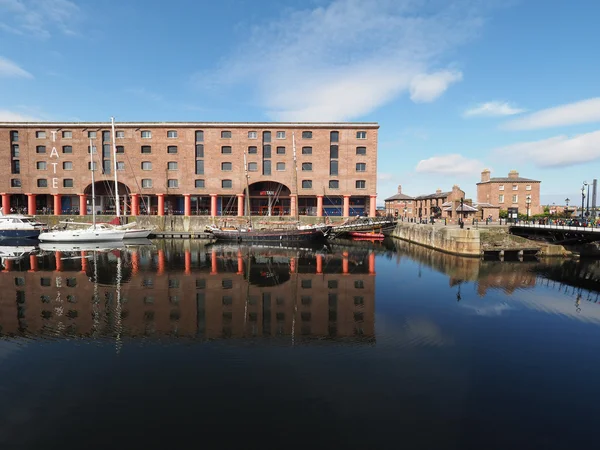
point(191, 168)
point(510, 192)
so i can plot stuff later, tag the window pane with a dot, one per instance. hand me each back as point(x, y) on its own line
point(333, 167)
point(146, 149)
point(172, 149)
point(120, 149)
point(42, 182)
point(41, 165)
point(361, 150)
point(226, 150)
point(146, 165)
point(361, 184)
point(252, 167)
point(172, 165)
point(226, 166)
point(146, 183)
point(67, 149)
point(226, 134)
point(172, 134)
point(307, 150)
point(68, 165)
point(281, 135)
point(40, 134)
point(173, 183)
point(68, 182)
point(252, 135)
point(307, 167)
point(15, 182)
point(40, 149)
point(361, 167)
point(307, 135)
point(67, 134)
point(226, 184)
point(106, 166)
point(306, 184)
point(361, 134)
point(199, 136)
point(266, 151)
point(120, 165)
point(281, 150)
point(106, 136)
point(252, 150)
point(199, 183)
point(267, 167)
point(14, 136)
point(266, 136)
point(199, 150)
point(146, 134)
point(280, 166)
point(120, 134)
point(334, 136)
point(334, 152)
point(92, 134)
point(334, 184)
point(200, 167)
point(16, 151)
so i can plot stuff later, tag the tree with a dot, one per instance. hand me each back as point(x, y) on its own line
point(503, 214)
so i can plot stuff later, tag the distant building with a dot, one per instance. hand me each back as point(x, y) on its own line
point(510, 192)
point(399, 205)
point(443, 205)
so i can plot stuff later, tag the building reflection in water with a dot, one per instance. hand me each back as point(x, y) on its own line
point(187, 290)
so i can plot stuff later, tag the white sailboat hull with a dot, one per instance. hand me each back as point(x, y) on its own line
point(81, 247)
point(89, 235)
point(137, 233)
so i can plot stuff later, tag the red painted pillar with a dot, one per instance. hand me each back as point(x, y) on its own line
point(33, 263)
point(6, 203)
point(31, 204)
point(319, 206)
point(292, 265)
point(319, 263)
point(240, 198)
point(372, 263)
point(240, 263)
point(82, 205)
point(187, 205)
point(161, 262)
point(293, 204)
point(373, 206)
point(57, 204)
point(58, 258)
point(345, 264)
point(8, 265)
point(135, 204)
point(213, 205)
point(346, 206)
point(188, 262)
point(84, 262)
point(161, 204)
point(214, 268)
point(135, 262)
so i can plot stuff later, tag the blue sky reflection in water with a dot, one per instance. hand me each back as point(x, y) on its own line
point(431, 351)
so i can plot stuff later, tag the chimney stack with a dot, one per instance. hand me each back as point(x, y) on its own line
point(399, 189)
point(438, 191)
point(485, 175)
point(513, 174)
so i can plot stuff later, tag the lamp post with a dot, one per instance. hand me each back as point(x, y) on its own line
point(567, 200)
point(582, 198)
point(587, 211)
point(528, 203)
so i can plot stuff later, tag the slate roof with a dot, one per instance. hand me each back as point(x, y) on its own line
point(509, 180)
point(399, 197)
point(436, 195)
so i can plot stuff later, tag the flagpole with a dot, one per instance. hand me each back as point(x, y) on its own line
point(114, 146)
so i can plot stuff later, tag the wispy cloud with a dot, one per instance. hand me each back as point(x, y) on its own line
point(11, 116)
point(493, 109)
point(39, 18)
point(585, 111)
point(453, 164)
point(338, 62)
point(558, 151)
point(10, 69)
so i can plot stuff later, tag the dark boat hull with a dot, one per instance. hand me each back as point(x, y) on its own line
point(270, 236)
point(19, 234)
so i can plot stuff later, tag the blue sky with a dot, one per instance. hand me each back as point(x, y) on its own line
point(456, 86)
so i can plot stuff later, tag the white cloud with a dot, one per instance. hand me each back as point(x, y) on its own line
point(11, 69)
point(427, 87)
point(453, 164)
point(382, 176)
point(337, 63)
point(558, 151)
point(38, 17)
point(11, 116)
point(585, 111)
point(493, 109)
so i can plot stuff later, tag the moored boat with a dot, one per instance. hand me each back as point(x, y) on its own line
point(365, 235)
point(283, 236)
point(19, 226)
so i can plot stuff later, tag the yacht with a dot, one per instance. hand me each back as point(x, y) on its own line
point(94, 233)
point(19, 226)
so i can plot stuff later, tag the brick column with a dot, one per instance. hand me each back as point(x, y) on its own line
point(240, 198)
point(58, 260)
point(373, 206)
point(161, 204)
point(371, 263)
point(31, 204)
point(319, 263)
point(8, 265)
point(214, 267)
point(84, 262)
point(161, 262)
point(6, 203)
point(187, 205)
point(240, 263)
point(213, 205)
point(135, 204)
point(346, 206)
point(33, 263)
point(57, 204)
point(345, 263)
point(293, 204)
point(135, 262)
point(188, 262)
point(319, 206)
point(82, 205)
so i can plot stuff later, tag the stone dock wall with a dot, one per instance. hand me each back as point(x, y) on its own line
point(464, 242)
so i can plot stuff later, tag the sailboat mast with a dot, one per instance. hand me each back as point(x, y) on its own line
point(114, 146)
point(247, 188)
point(93, 187)
point(295, 175)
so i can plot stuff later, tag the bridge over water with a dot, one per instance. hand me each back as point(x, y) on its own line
point(556, 234)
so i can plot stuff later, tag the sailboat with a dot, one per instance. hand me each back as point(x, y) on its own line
point(132, 230)
point(87, 233)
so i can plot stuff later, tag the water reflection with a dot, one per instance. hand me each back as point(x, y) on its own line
point(188, 290)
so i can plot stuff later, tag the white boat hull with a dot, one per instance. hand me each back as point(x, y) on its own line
point(82, 236)
point(80, 247)
point(137, 233)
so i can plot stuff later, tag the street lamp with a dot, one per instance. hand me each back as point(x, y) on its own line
point(567, 200)
point(583, 198)
point(528, 203)
point(587, 211)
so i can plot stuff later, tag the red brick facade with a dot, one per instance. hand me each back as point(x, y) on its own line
point(512, 191)
point(192, 168)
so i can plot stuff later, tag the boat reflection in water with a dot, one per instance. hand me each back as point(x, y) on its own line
point(188, 290)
